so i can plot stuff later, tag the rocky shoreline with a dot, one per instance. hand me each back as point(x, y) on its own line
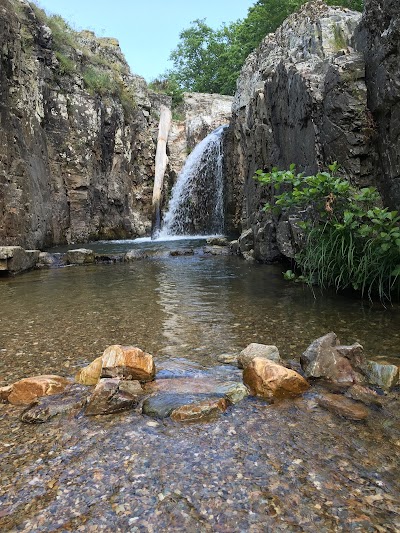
point(125, 378)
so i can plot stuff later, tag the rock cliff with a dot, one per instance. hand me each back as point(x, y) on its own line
point(301, 98)
point(77, 134)
point(378, 38)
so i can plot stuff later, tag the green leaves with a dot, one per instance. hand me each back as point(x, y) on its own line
point(351, 242)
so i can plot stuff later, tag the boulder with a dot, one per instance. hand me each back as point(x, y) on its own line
point(5, 393)
point(27, 390)
point(14, 259)
point(127, 362)
point(90, 375)
point(135, 255)
point(80, 256)
point(217, 241)
point(112, 396)
point(271, 380)
point(382, 375)
point(46, 259)
point(200, 412)
point(246, 241)
point(47, 407)
point(339, 405)
point(325, 358)
point(254, 349)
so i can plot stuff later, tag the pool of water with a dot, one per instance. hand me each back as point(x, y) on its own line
point(289, 466)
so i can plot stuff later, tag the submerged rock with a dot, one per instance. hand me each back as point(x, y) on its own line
point(72, 399)
point(228, 359)
point(206, 410)
point(270, 380)
point(364, 395)
point(342, 406)
point(216, 250)
point(27, 390)
point(128, 362)
point(162, 405)
point(113, 395)
point(254, 349)
point(234, 392)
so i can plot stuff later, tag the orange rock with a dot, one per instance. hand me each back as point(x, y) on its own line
point(5, 393)
point(268, 379)
point(127, 362)
point(201, 411)
point(90, 375)
point(26, 390)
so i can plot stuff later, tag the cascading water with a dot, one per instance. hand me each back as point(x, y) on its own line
point(197, 202)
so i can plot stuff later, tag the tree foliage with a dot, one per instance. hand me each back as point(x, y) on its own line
point(209, 60)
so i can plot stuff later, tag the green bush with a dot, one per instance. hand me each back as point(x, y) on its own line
point(351, 241)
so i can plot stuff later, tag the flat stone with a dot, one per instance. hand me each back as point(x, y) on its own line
point(80, 256)
point(216, 250)
point(90, 375)
point(254, 349)
point(234, 392)
point(27, 390)
point(382, 375)
point(271, 380)
point(228, 359)
point(162, 405)
point(339, 405)
point(127, 362)
point(108, 397)
point(217, 241)
point(72, 399)
point(200, 412)
point(364, 395)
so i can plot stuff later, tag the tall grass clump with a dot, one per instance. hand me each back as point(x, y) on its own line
point(350, 240)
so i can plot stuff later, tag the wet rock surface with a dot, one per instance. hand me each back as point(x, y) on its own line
point(27, 390)
point(70, 402)
point(112, 395)
point(340, 405)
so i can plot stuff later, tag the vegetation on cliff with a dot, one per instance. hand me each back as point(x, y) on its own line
point(208, 60)
point(350, 240)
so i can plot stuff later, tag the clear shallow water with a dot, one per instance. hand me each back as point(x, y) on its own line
point(290, 466)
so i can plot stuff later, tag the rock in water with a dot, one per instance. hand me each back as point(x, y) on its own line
point(47, 407)
point(270, 380)
point(254, 349)
point(112, 396)
point(385, 376)
point(200, 412)
point(27, 390)
point(342, 406)
point(90, 375)
point(127, 362)
point(325, 358)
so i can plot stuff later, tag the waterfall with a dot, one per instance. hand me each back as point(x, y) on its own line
point(196, 206)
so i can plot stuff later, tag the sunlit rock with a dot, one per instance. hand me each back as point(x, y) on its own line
point(112, 396)
point(271, 380)
point(342, 406)
point(27, 390)
point(127, 362)
point(90, 375)
point(14, 259)
point(254, 349)
point(200, 412)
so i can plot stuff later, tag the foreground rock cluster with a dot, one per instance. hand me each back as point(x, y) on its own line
point(125, 377)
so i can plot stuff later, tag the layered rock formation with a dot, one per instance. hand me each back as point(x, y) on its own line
point(301, 98)
point(76, 135)
point(379, 39)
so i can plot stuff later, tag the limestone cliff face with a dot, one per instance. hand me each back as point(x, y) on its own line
point(76, 151)
point(201, 114)
point(379, 39)
point(301, 98)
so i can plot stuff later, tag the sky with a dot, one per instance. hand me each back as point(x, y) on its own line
point(147, 30)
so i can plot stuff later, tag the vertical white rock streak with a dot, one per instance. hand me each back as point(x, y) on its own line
point(160, 165)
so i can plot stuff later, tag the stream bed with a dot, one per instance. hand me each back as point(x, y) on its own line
point(288, 466)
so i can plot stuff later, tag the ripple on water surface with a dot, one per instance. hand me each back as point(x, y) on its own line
point(284, 467)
